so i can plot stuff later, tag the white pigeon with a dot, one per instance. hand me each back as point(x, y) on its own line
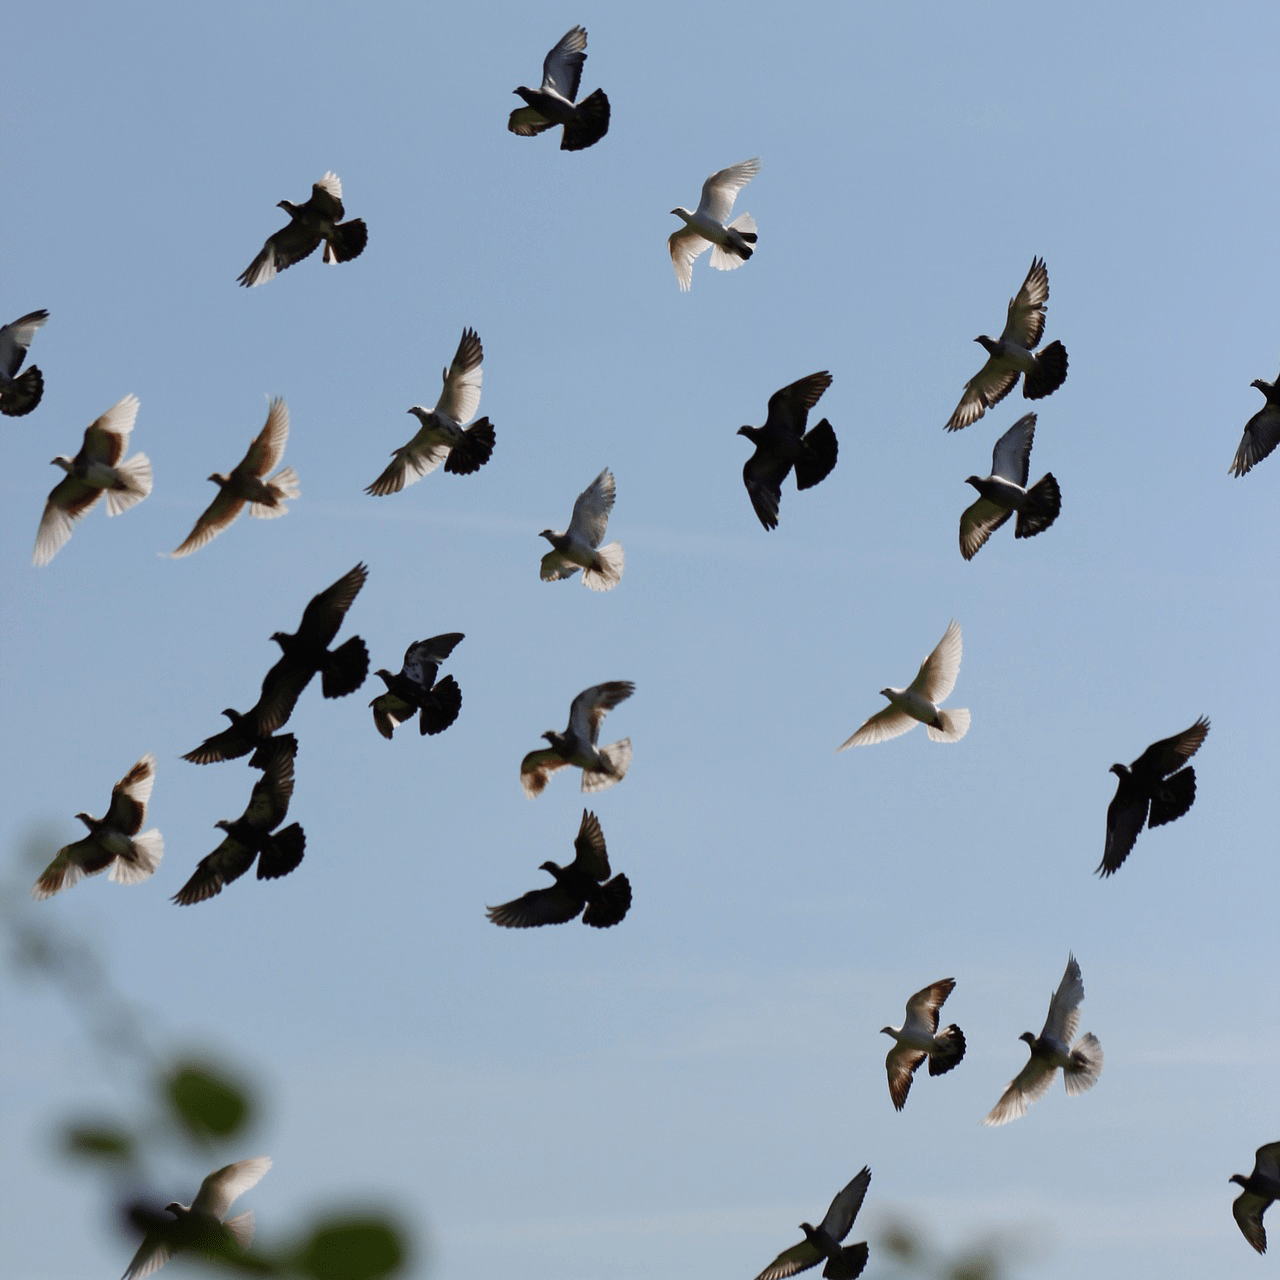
point(1005, 491)
point(1081, 1063)
point(918, 1038)
point(705, 228)
point(95, 470)
point(601, 766)
point(918, 702)
point(201, 1225)
point(578, 547)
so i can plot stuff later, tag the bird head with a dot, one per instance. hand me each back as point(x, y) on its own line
point(1239, 1177)
point(288, 206)
point(551, 868)
point(87, 820)
point(61, 461)
point(973, 480)
point(681, 212)
point(749, 432)
point(549, 534)
point(1120, 770)
point(385, 676)
point(809, 1233)
point(1029, 1037)
point(224, 823)
point(989, 344)
point(219, 479)
point(888, 1031)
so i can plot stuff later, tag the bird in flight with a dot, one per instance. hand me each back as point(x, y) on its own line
point(918, 702)
point(1261, 1189)
point(578, 547)
point(585, 122)
point(415, 688)
point(823, 1241)
point(19, 394)
point(582, 888)
point(731, 245)
point(247, 483)
point(783, 443)
point(320, 218)
point(1014, 353)
point(113, 840)
point(100, 467)
point(1151, 791)
point(918, 1038)
point(441, 437)
point(1081, 1063)
point(601, 766)
point(1261, 432)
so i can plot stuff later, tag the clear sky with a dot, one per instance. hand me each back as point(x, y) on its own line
point(671, 1096)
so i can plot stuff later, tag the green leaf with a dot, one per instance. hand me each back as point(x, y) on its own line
point(352, 1248)
point(97, 1142)
point(208, 1105)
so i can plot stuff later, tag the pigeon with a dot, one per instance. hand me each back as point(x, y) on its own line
point(584, 882)
point(1081, 1063)
point(203, 1225)
point(705, 228)
point(1261, 432)
point(823, 1241)
point(113, 840)
point(250, 835)
point(239, 739)
point(783, 443)
point(246, 483)
point(97, 469)
point(19, 394)
point(584, 124)
point(918, 1038)
point(441, 437)
point(578, 547)
point(415, 688)
point(1261, 1188)
point(1005, 491)
point(1153, 790)
point(1015, 353)
point(601, 767)
point(918, 701)
point(319, 219)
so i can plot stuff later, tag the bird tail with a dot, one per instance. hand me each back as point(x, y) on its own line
point(818, 457)
point(609, 573)
point(441, 710)
point(22, 394)
point(742, 235)
point(617, 758)
point(133, 485)
point(612, 902)
point(345, 670)
point(241, 1228)
point(1085, 1067)
point(1040, 507)
point(951, 1053)
point(284, 486)
point(848, 1262)
point(131, 868)
point(1049, 373)
point(349, 240)
point(473, 450)
point(1173, 797)
point(951, 727)
point(281, 853)
point(590, 123)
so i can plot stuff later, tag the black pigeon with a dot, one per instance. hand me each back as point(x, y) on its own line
point(583, 883)
point(306, 652)
point(250, 835)
point(320, 218)
point(584, 123)
point(415, 688)
point(238, 739)
point(1005, 491)
point(823, 1241)
point(783, 443)
point(1261, 432)
point(1261, 1189)
point(1153, 790)
point(19, 394)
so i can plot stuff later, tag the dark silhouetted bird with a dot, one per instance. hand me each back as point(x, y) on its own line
point(1015, 353)
point(97, 469)
point(783, 443)
point(113, 840)
point(250, 835)
point(1153, 790)
point(1081, 1063)
point(918, 1038)
point(584, 123)
point(823, 1241)
point(601, 766)
point(1005, 491)
point(1261, 1188)
point(583, 883)
point(248, 483)
point(705, 227)
point(441, 437)
point(414, 688)
point(320, 218)
point(238, 739)
point(19, 394)
point(578, 547)
point(1261, 432)
point(306, 652)
point(201, 1226)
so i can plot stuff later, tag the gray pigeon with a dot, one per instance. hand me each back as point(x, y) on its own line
point(731, 243)
point(1261, 1188)
point(319, 219)
point(586, 122)
point(919, 1038)
point(1005, 491)
point(601, 766)
point(19, 394)
point(414, 688)
point(1262, 431)
point(578, 547)
point(823, 1241)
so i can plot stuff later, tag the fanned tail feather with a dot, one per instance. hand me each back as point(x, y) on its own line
point(612, 903)
point(346, 669)
point(1085, 1067)
point(952, 725)
point(22, 394)
point(617, 756)
point(1049, 374)
point(241, 1228)
point(135, 484)
point(1040, 508)
point(349, 241)
point(951, 1053)
point(1173, 797)
point(848, 1264)
point(821, 448)
point(473, 450)
point(442, 709)
point(609, 574)
point(148, 849)
point(282, 853)
point(742, 235)
point(589, 126)
point(285, 485)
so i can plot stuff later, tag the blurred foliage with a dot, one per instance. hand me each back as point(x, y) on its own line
point(911, 1255)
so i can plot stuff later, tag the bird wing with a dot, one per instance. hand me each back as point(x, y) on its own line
point(228, 862)
point(422, 659)
point(763, 474)
point(267, 449)
point(420, 457)
point(1063, 1019)
point(106, 437)
point(1025, 322)
point(588, 709)
point(977, 523)
point(721, 189)
point(537, 767)
point(1030, 1084)
point(562, 67)
point(800, 1257)
point(1011, 458)
point(1126, 816)
point(888, 722)
point(553, 905)
point(922, 1008)
point(282, 249)
point(15, 338)
point(323, 615)
point(1261, 435)
point(220, 514)
point(1163, 757)
point(900, 1065)
point(69, 866)
point(590, 856)
point(219, 1191)
point(685, 245)
point(1266, 1162)
point(269, 800)
point(789, 407)
point(937, 675)
point(591, 510)
point(326, 197)
point(129, 797)
point(461, 395)
point(845, 1206)
point(1247, 1210)
point(154, 1251)
point(988, 386)
point(68, 500)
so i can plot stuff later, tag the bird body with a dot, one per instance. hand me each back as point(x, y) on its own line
point(1261, 432)
point(732, 243)
point(19, 393)
point(823, 1241)
point(414, 688)
point(1005, 492)
point(318, 220)
point(918, 1039)
point(578, 547)
point(1259, 1190)
point(584, 123)
point(601, 766)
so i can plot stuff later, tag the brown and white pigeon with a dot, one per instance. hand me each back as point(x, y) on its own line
point(601, 766)
point(319, 219)
point(919, 1038)
point(578, 547)
point(585, 122)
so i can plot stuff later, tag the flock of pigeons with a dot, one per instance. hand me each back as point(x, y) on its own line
point(1157, 788)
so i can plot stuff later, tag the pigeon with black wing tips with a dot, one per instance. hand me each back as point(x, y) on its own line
point(415, 688)
point(823, 1241)
point(585, 122)
point(1261, 432)
point(705, 227)
point(578, 547)
point(19, 393)
point(919, 1038)
point(319, 219)
point(601, 766)
point(1005, 491)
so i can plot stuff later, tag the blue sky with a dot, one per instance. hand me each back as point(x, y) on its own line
point(675, 1094)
